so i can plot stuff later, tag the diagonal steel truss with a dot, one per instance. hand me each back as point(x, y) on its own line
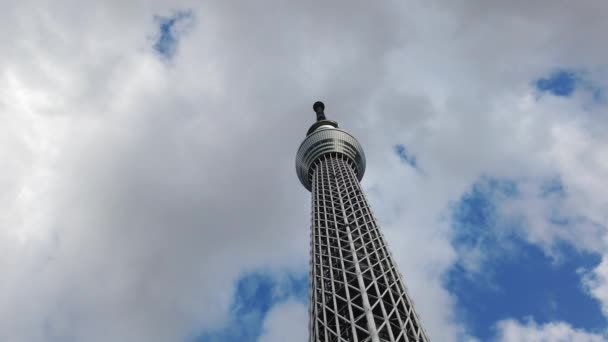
point(356, 292)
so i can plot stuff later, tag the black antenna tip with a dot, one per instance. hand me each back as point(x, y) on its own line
point(318, 107)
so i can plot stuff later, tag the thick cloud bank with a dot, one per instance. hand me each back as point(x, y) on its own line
point(147, 164)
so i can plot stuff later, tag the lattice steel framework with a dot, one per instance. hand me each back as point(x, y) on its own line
point(356, 292)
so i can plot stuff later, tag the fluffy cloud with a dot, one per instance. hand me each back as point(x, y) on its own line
point(136, 189)
point(596, 282)
point(512, 331)
point(284, 323)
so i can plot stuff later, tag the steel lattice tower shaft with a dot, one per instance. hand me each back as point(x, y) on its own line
point(356, 292)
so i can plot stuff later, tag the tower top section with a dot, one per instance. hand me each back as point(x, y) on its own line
point(319, 108)
point(324, 137)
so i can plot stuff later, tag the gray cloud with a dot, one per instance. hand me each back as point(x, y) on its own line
point(137, 191)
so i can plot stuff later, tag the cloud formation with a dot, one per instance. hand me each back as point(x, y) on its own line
point(135, 192)
point(512, 331)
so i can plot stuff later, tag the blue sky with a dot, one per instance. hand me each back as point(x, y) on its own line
point(406, 156)
point(558, 83)
point(516, 279)
point(254, 296)
point(170, 29)
point(564, 82)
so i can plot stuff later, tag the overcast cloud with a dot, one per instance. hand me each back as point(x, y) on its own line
point(136, 187)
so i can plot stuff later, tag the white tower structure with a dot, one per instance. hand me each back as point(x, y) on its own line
point(356, 292)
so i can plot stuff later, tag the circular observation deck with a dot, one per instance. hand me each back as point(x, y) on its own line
point(324, 139)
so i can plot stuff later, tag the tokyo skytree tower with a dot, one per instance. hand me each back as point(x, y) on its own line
point(356, 292)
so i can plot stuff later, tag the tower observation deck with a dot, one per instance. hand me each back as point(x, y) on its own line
point(356, 292)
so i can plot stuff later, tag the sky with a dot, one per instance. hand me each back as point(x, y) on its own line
point(148, 184)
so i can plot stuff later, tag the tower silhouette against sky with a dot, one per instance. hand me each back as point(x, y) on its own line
point(356, 292)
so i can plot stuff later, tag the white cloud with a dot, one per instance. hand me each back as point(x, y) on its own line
point(596, 282)
point(135, 191)
point(514, 331)
point(287, 321)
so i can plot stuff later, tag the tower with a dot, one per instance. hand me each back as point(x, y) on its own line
point(356, 292)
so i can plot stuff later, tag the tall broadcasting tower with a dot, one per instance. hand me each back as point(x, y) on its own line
point(356, 292)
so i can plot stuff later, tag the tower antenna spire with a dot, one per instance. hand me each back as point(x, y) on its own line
point(319, 108)
point(322, 122)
